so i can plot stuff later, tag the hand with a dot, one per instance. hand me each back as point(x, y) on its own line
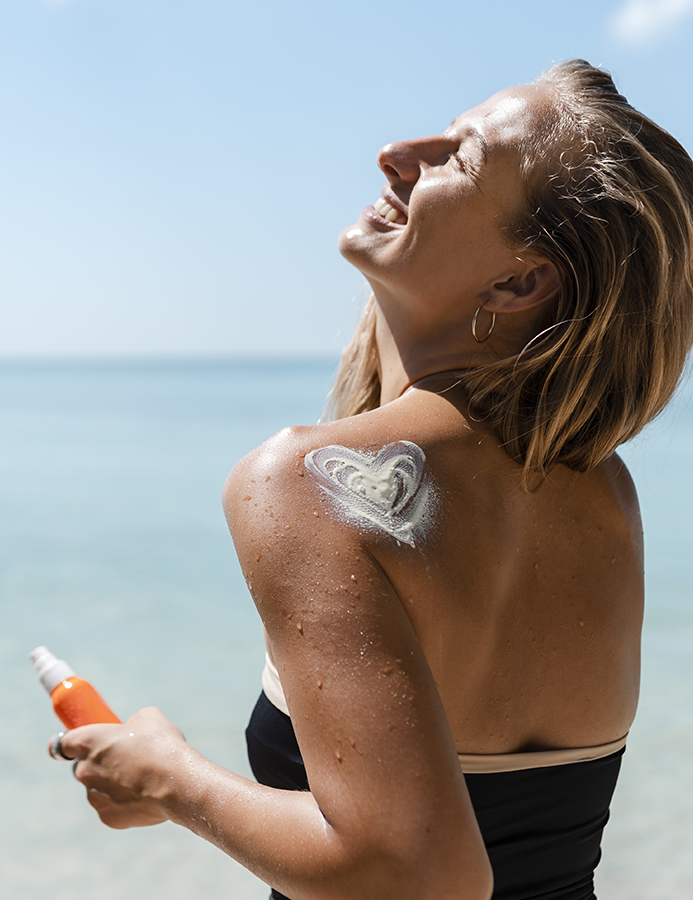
point(127, 769)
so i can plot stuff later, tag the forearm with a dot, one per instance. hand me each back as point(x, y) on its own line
point(284, 838)
point(144, 773)
point(281, 836)
point(369, 844)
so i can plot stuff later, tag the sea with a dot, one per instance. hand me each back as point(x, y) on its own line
point(114, 553)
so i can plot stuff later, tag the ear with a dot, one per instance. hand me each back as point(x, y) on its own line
point(536, 283)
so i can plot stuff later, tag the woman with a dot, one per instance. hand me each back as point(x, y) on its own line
point(450, 572)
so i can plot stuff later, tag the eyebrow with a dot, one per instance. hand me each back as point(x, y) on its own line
point(473, 132)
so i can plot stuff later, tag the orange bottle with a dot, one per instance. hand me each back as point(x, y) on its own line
point(74, 700)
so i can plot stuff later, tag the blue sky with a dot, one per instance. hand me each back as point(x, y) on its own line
point(176, 172)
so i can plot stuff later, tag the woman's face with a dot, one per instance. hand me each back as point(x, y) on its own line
point(435, 235)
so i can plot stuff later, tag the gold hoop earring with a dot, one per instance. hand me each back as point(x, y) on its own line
point(490, 331)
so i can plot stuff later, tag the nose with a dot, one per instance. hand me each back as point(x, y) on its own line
point(402, 160)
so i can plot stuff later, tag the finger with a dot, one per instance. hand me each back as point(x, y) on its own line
point(78, 743)
point(55, 746)
point(152, 718)
point(120, 815)
point(109, 812)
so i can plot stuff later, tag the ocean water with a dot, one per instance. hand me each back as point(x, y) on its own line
point(114, 553)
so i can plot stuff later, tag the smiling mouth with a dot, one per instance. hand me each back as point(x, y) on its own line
point(389, 213)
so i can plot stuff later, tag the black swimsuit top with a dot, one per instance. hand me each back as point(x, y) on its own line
point(542, 826)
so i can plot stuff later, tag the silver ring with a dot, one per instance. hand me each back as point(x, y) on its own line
point(56, 749)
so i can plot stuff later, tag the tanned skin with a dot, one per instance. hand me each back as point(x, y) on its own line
point(512, 625)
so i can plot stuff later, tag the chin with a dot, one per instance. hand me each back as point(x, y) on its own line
point(354, 246)
point(351, 238)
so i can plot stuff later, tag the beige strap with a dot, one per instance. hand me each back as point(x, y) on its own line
point(477, 763)
point(272, 686)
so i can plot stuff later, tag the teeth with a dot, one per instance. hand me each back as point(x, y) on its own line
point(383, 208)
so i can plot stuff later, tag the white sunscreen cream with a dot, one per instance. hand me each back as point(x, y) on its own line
point(387, 490)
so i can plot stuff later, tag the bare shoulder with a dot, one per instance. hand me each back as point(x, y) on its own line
point(270, 469)
point(273, 513)
point(623, 484)
point(367, 477)
point(620, 499)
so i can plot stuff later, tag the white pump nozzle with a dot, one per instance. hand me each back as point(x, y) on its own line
point(50, 670)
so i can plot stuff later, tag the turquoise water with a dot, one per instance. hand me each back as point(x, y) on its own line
point(114, 553)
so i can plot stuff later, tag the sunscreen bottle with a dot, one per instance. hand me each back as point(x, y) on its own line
point(74, 700)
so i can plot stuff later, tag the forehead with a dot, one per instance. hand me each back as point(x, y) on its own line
point(507, 118)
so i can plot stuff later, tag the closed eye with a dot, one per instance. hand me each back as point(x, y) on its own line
point(460, 161)
point(465, 165)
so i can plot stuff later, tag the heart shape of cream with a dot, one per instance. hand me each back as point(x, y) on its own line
point(384, 490)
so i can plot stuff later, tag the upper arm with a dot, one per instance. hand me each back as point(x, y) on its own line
point(370, 724)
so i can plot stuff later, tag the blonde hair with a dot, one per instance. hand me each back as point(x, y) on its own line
point(608, 198)
point(356, 386)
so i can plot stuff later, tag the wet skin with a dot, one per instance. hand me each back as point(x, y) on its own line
point(512, 624)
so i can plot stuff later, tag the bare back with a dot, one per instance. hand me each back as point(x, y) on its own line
point(528, 606)
point(511, 623)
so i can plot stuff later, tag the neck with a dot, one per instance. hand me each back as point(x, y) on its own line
point(411, 348)
point(408, 358)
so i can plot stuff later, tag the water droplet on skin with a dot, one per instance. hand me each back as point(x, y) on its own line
point(353, 577)
point(316, 513)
